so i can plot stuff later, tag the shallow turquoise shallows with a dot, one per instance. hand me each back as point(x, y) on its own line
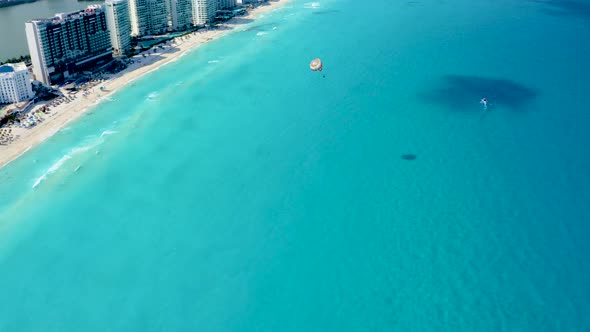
point(236, 190)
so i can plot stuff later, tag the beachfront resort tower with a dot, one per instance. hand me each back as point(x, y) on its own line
point(181, 14)
point(68, 43)
point(15, 83)
point(138, 17)
point(117, 12)
point(148, 17)
point(226, 4)
point(158, 17)
point(204, 11)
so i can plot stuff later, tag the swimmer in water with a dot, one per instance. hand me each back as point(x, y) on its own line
point(484, 101)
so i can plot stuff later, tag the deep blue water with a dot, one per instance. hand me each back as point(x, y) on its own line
point(252, 194)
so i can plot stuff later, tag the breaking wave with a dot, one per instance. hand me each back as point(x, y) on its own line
point(71, 154)
point(153, 95)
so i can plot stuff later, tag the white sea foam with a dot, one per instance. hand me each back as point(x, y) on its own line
point(153, 95)
point(261, 33)
point(213, 61)
point(57, 165)
point(75, 151)
point(311, 5)
point(107, 132)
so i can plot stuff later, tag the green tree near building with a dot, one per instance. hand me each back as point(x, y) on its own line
point(23, 58)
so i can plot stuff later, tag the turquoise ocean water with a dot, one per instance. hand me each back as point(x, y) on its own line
point(235, 190)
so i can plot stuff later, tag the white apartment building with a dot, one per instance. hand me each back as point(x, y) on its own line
point(117, 12)
point(15, 83)
point(204, 11)
point(158, 17)
point(181, 14)
point(138, 16)
point(68, 43)
point(148, 17)
point(226, 4)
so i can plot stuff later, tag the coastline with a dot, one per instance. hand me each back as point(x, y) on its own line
point(155, 58)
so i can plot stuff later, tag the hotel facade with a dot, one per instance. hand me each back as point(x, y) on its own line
point(148, 17)
point(68, 43)
point(15, 83)
point(181, 14)
point(226, 4)
point(119, 25)
point(204, 11)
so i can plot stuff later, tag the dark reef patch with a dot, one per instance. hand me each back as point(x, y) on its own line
point(572, 8)
point(409, 156)
point(461, 92)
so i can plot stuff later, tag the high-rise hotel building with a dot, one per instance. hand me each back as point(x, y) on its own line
point(15, 83)
point(148, 17)
point(204, 11)
point(118, 23)
point(181, 14)
point(226, 4)
point(68, 43)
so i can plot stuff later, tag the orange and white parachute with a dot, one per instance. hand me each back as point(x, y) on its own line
point(316, 65)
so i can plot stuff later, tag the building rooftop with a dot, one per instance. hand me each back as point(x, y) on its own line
point(6, 69)
point(62, 17)
point(12, 67)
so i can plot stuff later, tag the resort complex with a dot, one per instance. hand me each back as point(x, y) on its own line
point(78, 57)
point(80, 41)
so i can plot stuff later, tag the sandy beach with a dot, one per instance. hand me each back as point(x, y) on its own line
point(62, 114)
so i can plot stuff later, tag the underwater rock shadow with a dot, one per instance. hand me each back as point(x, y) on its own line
point(573, 8)
point(409, 156)
point(461, 92)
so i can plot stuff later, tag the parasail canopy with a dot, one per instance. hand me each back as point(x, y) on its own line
point(316, 65)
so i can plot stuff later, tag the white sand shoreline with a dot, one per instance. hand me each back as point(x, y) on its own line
point(65, 113)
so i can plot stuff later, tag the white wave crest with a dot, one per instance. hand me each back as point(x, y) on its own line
point(57, 165)
point(75, 151)
point(153, 95)
point(107, 132)
point(311, 5)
